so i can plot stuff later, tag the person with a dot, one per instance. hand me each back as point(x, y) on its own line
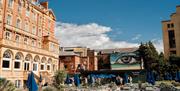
point(121, 81)
point(130, 80)
point(117, 81)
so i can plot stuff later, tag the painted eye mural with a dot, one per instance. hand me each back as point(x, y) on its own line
point(124, 61)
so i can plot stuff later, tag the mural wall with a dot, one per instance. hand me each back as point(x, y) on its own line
point(125, 61)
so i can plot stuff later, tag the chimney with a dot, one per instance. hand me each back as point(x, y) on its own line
point(44, 4)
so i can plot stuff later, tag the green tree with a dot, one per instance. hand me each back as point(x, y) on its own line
point(59, 78)
point(6, 85)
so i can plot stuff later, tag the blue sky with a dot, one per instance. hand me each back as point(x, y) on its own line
point(130, 20)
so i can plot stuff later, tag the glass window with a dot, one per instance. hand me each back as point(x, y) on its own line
point(6, 64)
point(10, 3)
point(9, 18)
point(17, 38)
point(8, 35)
point(35, 66)
point(40, 33)
point(27, 11)
point(17, 65)
point(17, 83)
point(26, 27)
point(34, 30)
point(18, 23)
point(172, 42)
point(25, 41)
point(26, 66)
point(19, 7)
point(48, 67)
point(42, 66)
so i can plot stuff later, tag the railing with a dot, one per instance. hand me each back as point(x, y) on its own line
point(26, 47)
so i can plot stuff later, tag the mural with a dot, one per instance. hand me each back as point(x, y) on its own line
point(125, 61)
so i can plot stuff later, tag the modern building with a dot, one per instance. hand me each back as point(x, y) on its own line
point(27, 41)
point(76, 59)
point(171, 34)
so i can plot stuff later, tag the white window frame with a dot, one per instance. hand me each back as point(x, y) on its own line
point(17, 83)
point(33, 66)
point(26, 42)
point(18, 24)
point(27, 62)
point(9, 19)
point(43, 68)
point(26, 27)
point(17, 38)
point(27, 11)
point(19, 7)
point(34, 30)
point(7, 59)
point(20, 64)
point(9, 36)
point(10, 5)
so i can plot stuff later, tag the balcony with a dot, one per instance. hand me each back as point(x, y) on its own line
point(48, 38)
point(21, 31)
point(21, 46)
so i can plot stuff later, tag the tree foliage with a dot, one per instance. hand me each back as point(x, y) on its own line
point(6, 85)
point(59, 78)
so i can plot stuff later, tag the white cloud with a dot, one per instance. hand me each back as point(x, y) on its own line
point(136, 37)
point(158, 43)
point(93, 36)
point(90, 35)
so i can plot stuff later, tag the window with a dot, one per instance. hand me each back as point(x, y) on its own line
point(27, 11)
point(42, 66)
point(34, 16)
point(39, 44)
point(170, 25)
point(18, 23)
point(26, 27)
point(6, 60)
point(34, 30)
point(17, 38)
point(19, 7)
point(172, 43)
point(8, 35)
point(25, 40)
point(172, 52)
point(17, 62)
point(9, 18)
point(26, 66)
point(10, 3)
point(17, 83)
point(40, 33)
point(33, 42)
point(48, 67)
point(35, 66)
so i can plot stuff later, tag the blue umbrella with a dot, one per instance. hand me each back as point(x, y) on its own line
point(90, 79)
point(125, 78)
point(152, 81)
point(31, 83)
point(76, 80)
point(68, 81)
point(177, 78)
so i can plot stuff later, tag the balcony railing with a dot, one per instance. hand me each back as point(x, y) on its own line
point(26, 47)
point(48, 38)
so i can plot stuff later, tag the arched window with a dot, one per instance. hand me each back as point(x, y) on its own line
point(18, 23)
point(26, 27)
point(35, 63)
point(17, 62)
point(43, 60)
point(19, 6)
point(7, 57)
point(10, 3)
point(49, 64)
point(27, 62)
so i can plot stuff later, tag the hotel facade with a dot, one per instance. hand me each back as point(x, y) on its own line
point(27, 41)
point(171, 34)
